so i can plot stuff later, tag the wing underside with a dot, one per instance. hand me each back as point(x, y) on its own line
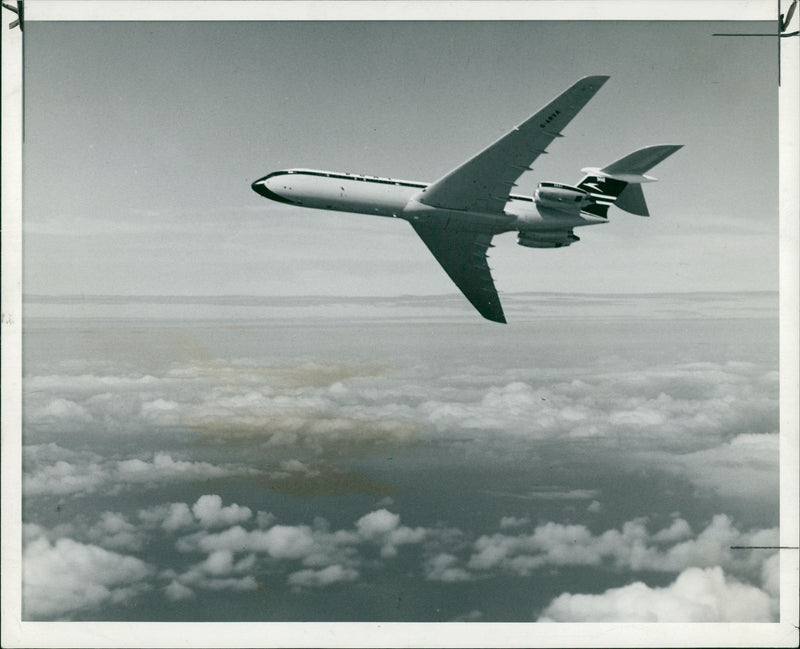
point(462, 254)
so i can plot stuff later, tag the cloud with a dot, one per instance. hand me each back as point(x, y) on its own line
point(444, 567)
point(315, 546)
point(377, 524)
point(172, 517)
point(113, 531)
point(677, 531)
point(65, 576)
point(697, 595)
point(317, 556)
point(328, 556)
point(509, 522)
point(549, 493)
point(324, 577)
point(219, 571)
point(210, 512)
point(61, 410)
point(632, 547)
point(164, 467)
point(710, 423)
point(291, 409)
point(682, 405)
point(176, 591)
point(744, 467)
point(279, 541)
point(384, 527)
point(86, 473)
point(219, 562)
point(63, 477)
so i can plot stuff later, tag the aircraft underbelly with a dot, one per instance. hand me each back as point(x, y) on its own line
point(417, 212)
point(529, 218)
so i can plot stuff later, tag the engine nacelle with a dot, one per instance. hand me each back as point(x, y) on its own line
point(546, 239)
point(561, 197)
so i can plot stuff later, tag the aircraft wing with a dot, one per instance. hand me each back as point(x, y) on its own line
point(462, 254)
point(483, 183)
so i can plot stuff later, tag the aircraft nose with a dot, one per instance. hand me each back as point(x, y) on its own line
point(259, 187)
point(262, 187)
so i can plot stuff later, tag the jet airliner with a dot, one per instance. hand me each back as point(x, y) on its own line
point(458, 215)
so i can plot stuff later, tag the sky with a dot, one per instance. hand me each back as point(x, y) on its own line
point(142, 139)
point(236, 410)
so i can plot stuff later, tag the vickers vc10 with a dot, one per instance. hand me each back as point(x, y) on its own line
point(458, 215)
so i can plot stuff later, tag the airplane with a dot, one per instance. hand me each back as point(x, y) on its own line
point(458, 215)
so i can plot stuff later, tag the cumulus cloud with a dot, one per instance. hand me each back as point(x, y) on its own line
point(279, 541)
point(176, 591)
point(745, 466)
point(210, 512)
point(632, 547)
point(510, 522)
point(219, 571)
point(85, 473)
point(697, 595)
point(314, 546)
point(63, 477)
point(316, 556)
point(327, 556)
point(60, 410)
point(65, 576)
point(377, 524)
point(170, 517)
point(115, 532)
point(384, 526)
point(444, 567)
point(323, 577)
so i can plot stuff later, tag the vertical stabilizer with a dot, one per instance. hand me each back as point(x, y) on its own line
point(620, 182)
point(632, 200)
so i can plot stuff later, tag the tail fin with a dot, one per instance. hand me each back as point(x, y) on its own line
point(620, 182)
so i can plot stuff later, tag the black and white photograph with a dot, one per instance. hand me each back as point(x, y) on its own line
point(313, 327)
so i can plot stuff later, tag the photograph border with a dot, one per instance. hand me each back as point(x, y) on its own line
point(17, 633)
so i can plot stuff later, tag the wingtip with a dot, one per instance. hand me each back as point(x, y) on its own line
point(595, 78)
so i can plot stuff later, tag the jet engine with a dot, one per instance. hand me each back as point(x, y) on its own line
point(546, 239)
point(561, 197)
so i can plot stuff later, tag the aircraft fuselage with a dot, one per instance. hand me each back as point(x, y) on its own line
point(403, 199)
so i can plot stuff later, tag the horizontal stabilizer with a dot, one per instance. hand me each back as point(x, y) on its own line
point(633, 166)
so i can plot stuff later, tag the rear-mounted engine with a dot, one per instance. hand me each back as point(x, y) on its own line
point(561, 197)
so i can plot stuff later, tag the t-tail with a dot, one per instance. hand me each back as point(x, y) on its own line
point(620, 183)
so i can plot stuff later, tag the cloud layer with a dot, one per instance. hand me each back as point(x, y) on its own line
point(712, 423)
point(228, 548)
point(209, 478)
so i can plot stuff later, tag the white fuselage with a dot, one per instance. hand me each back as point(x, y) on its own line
point(402, 199)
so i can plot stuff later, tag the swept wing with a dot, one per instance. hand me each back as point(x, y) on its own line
point(462, 254)
point(483, 183)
